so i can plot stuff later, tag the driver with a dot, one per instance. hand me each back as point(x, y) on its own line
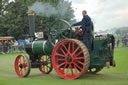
point(86, 28)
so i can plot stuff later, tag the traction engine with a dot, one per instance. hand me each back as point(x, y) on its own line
point(63, 49)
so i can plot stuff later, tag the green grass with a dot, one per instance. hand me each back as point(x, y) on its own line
point(111, 76)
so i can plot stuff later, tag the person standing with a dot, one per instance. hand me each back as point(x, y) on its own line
point(87, 29)
point(118, 41)
point(10, 47)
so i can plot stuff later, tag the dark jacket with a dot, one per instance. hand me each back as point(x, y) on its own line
point(86, 24)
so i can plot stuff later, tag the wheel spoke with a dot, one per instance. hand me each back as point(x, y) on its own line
point(61, 59)
point(69, 48)
point(44, 68)
point(24, 70)
point(61, 64)
point(47, 58)
point(75, 69)
point(79, 53)
point(21, 71)
point(75, 50)
point(23, 59)
point(77, 66)
point(72, 47)
point(20, 61)
point(48, 66)
point(18, 68)
point(67, 70)
point(63, 51)
point(43, 59)
point(79, 58)
point(49, 62)
point(65, 47)
point(60, 54)
point(80, 62)
point(72, 70)
point(24, 65)
point(64, 66)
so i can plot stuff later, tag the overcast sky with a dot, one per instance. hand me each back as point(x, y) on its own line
point(106, 14)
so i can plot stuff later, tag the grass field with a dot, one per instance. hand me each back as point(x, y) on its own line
point(112, 76)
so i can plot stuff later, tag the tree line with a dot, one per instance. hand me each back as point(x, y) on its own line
point(14, 18)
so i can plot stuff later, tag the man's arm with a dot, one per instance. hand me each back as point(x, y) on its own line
point(84, 25)
point(77, 24)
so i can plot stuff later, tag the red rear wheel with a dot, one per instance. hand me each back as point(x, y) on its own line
point(47, 67)
point(22, 66)
point(70, 58)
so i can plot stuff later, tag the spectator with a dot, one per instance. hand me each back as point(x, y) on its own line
point(15, 46)
point(1, 48)
point(21, 47)
point(118, 42)
point(21, 44)
point(5, 44)
point(9, 47)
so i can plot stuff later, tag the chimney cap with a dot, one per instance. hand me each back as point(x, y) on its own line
point(31, 13)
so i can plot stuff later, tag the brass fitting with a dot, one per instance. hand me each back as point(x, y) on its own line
point(31, 13)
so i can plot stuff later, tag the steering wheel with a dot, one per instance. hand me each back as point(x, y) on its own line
point(59, 30)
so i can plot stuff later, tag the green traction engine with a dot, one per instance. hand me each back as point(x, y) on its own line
point(62, 48)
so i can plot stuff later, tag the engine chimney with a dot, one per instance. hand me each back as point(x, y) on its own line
point(31, 17)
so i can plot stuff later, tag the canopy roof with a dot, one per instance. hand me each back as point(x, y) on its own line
point(6, 38)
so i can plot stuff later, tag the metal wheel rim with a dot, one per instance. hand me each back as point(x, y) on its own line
point(75, 65)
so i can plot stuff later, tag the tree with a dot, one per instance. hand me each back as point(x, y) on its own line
point(14, 20)
point(3, 30)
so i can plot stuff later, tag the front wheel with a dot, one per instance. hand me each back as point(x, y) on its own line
point(22, 66)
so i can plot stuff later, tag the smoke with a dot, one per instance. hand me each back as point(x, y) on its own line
point(47, 10)
point(43, 9)
point(62, 8)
